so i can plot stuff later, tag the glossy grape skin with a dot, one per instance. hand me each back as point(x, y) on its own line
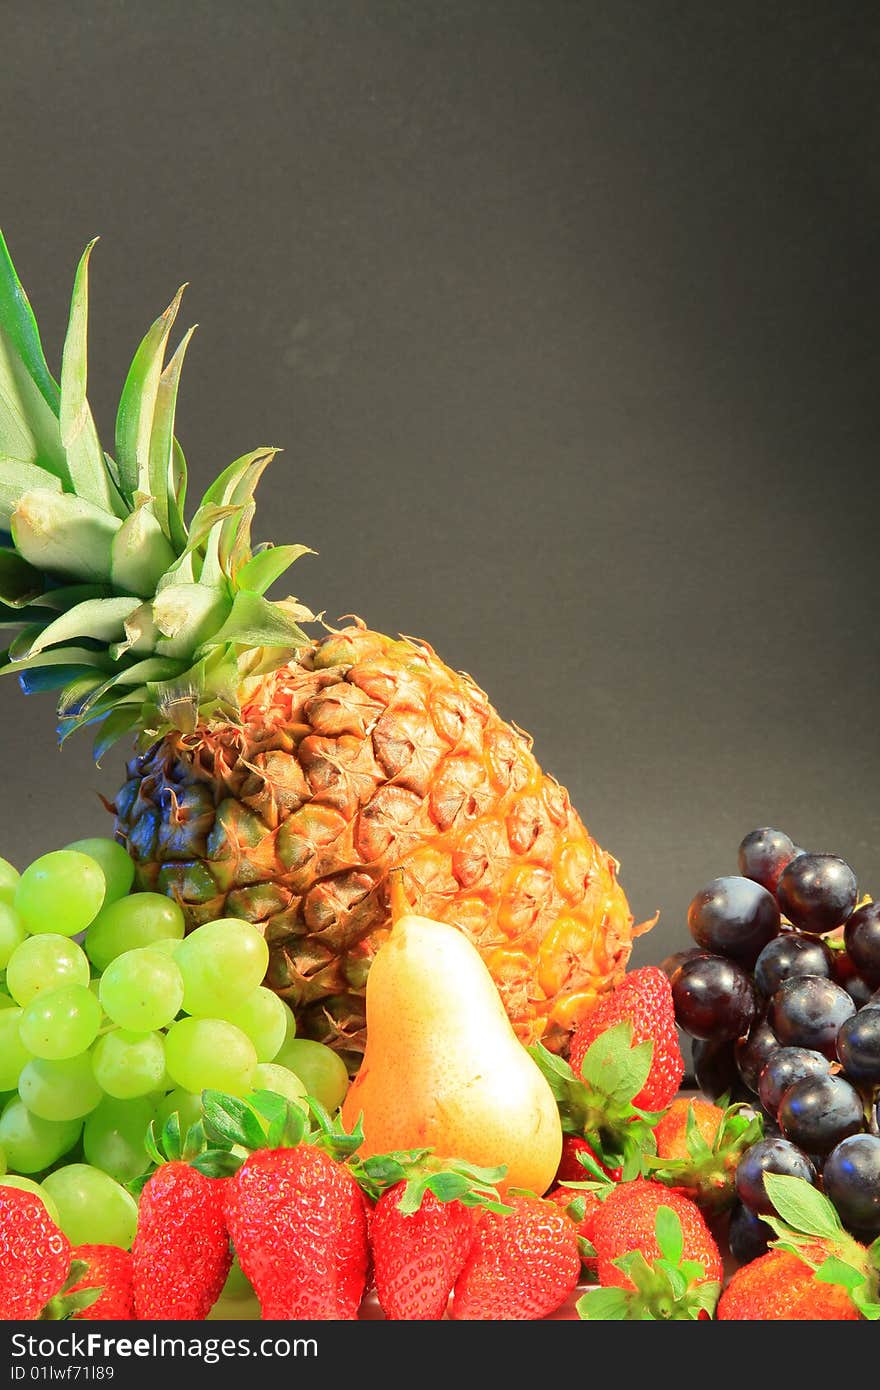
point(12, 932)
point(751, 1052)
point(862, 937)
point(321, 1070)
point(851, 1179)
point(60, 1023)
point(138, 920)
point(127, 1065)
point(65, 1090)
point(142, 990)
point(764, 853)
point(672, 962)
point(45, 962)
point(263, 1017)
point(769, 1156)
point(733, 917)
point(268, 1076)
point(31, 1144)
point(60, 893)
point(208, 1053)
point(9, 879)
point(789, 955)
point(783, 1069)
point(222, 962)
point(713, 998)
point(817, 892)
point(114, 1134)
point(715, 1069)
point(808, 1011)
point(94, 1210)
point(116, 865)
point(14, 1056)
point(185, 1104)
point(748, 1235)
point(819, 1112)
point(858, 1046)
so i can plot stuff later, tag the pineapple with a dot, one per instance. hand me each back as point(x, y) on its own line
point(278, 777)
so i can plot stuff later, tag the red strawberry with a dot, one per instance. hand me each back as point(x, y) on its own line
point(778, 1287)
point(522, 1265)
point(580, 1206)
point(419, 1255)
point(699, 1146)
point(181, 1254)
point(644, 999)
point(109, 1269)
point(627, 1222)
point(34, 1255)
point(570, 1167)
point(297, 1220)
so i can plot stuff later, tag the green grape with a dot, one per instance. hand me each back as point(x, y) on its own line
point(268, 1076)
point(32, 1144)
point(210, 1053)
point(116, 865)
point(6, 1000)
point(28, 1185)
point(263, 1016)
point(187, 1105)
point(137, 920)
point(168, 946)
point(113, 1137)
point(129, 1064)
point(142, 990)
point(12, 932)
point(61, 893)
point(3, 1164)
point(321, 1070)
point(60, 1023)
point(59, 1090)
point(45, 962)
point(93, 1209)
point(222, 963)
point(9, 877)
point(14, 1056)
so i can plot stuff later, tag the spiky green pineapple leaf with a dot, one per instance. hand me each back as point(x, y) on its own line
point(177, 496)
point(20, 583)
point(162, 437)
point(86, 469)
point(66, 535)
point(101, 619)
point(140, 554)
point(263, 568)
point(20, 328)
point(17, 479)
point(137, 404)
point(255, 622)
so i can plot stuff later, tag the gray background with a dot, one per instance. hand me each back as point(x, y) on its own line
point(566, 317)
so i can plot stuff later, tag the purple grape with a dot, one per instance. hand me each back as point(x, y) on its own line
point(862, 937)
point(820, 1111)
point(671, 963)
point(733, 917)
point(715, 1068)
point(783, 1069)
point(792, 953)
point(753, 1052)
point(748, 1235)
point(817, 892)
point(769, 1156)
point(851, 1179)
point(763, 855)
point(713, 998)
point(858, 1047)
point(807, 1011)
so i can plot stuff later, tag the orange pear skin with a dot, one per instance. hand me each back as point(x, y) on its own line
point(443, 1067)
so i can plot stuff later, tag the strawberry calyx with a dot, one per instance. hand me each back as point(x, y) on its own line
point(706, 1174)
point(66, 1303)
point(668, 1289)
point(808, 1226)
point(598, 1105)
point(421, 1171)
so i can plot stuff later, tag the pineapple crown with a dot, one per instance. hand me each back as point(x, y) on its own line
point(139, 621)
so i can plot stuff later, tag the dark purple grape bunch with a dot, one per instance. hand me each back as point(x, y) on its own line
point(782, 997)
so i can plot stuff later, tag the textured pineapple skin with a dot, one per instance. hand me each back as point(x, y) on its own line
point(366, 754)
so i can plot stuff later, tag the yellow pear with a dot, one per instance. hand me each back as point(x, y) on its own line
point(443, 1067)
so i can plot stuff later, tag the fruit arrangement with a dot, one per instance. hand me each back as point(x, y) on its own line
point(110, 1019)
point(333, 859)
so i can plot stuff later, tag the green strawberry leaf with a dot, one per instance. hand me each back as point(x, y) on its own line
point(802, 1206)
point(836, 1271)
point(217, 1163)
point(232, 1121)
point(604, 1305)
point(669, 1235)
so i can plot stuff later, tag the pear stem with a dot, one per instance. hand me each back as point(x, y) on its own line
point(400, 905)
